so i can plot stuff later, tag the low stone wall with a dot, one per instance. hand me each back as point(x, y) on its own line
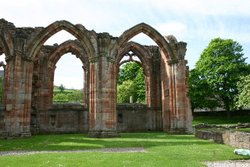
point(60, 118)
point(225, 135)
point(237, 139)
point(217, 137)
point(73, 118)
point(138, 117)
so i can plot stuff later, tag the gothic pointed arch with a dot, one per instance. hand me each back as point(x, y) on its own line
point(72, 46)
point(140, 52)
point(52, 29)
point(152, 33)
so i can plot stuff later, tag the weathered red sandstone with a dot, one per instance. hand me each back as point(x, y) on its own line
point(30, 67)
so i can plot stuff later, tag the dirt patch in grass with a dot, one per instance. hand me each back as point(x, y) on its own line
point(104, 150)
point(230, 163)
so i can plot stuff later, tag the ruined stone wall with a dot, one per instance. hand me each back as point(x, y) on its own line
point(233, 138)
point(61, 118)
point(73, 118)
point(29, 75)
point(137, 117)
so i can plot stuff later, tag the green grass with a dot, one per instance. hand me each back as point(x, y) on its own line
point(222, 120)
point(162, 150)
point(244, 130)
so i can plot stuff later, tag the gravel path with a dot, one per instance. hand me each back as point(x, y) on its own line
point(236, 163)
point(104, 150)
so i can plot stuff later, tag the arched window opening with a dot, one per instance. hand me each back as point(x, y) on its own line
point(143, 39)
point(2, 66)
point(131, 80)
point(59, 38)
point(68, 81)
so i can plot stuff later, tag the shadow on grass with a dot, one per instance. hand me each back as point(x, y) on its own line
point(221, 119)
point(81, 141)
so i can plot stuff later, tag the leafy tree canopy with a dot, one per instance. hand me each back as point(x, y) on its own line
point(61, 88)
point(243, 99)
point(200, 93)
point(131, 82)
point(217, 71)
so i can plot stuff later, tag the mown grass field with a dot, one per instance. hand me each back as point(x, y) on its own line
point(161, 150)
point(221, 120)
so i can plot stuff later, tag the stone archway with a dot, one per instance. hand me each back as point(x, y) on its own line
point(144, 57)
point(80, 34)
point(149, 60)
point(75, 48)
point(82, 47)
point(164, 65)
point(175, 103)
point(149, 31)
point(43, 84)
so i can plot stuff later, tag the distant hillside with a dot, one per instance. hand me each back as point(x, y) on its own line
point(56, 88)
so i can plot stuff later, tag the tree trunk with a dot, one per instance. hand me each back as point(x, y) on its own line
point(228, 111)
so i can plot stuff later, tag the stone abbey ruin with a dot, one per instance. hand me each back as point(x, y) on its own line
point(29, 80)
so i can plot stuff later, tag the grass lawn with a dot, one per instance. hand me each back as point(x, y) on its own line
point(244, 130)
point(223, 120)
point(161, 150)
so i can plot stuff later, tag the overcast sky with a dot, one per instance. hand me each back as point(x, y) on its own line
point(194, 21)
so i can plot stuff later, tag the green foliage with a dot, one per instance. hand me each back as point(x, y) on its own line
point(244, 130)
point(61, 88)
point(128, 71)
point(222, 120)
point(131, 82)
point(60, 97)
point(1, 90)
point(243, 98)
point(67, 95)
point(199, 92)
point(218, 70)
point(125, 90)
point(161, 150)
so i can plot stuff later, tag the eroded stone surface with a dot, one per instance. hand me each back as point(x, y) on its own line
point(29, 76)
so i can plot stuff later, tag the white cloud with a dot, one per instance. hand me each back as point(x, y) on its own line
point(195, 21)
point(208, 7)
point(172, 28)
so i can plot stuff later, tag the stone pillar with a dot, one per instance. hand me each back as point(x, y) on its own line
point(182, 117)
point(166, 85)
point(153, 98)
point(177, 116)
point(51, 75)
point(86, 86)
point(18, 87)
point(102, 91)
point(155, 86)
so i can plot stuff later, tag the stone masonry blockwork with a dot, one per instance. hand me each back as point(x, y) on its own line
point(29, 81)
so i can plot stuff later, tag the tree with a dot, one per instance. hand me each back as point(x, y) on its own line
point(129, 71)
point(131, 82)
point(199, 92)
point(243, 98)
point(61, 88)
point(60, 98)
point(220, 67)
point(76, 96)
point(125, 90)
point(140, 86)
